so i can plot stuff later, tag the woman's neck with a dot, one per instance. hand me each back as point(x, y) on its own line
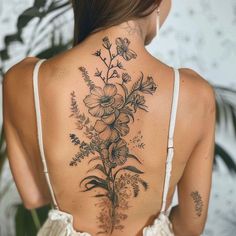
point(130, 30)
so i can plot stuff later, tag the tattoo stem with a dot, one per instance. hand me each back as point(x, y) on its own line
point(103, 79)
point(103, 59)
point(110, 64)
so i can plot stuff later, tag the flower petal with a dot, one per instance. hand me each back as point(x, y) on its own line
point(123, 151)
point(123, 118)
point(114, 135)
point(119, 100)
point(100, 126)
point(128, 55)
point(91, 101)
point(121, 160)
point(111, 147)
point(97, 91)
point(106, 134)
point(97, 111)
point(121, 143)
point(123, 129)
point(109, 119)
point(108, 110)
point(126, 42)
point(110, 90)
point(119, 42)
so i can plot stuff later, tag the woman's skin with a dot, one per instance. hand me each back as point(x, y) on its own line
point(59, 77)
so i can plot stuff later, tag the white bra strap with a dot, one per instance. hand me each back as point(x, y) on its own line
point(39, 129)
point(170, 146)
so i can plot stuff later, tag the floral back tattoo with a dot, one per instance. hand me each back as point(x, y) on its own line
point(105, 146)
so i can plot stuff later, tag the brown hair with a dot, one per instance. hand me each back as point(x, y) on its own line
point(89, 15)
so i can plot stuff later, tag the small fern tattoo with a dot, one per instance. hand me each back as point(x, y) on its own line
point(197, 202)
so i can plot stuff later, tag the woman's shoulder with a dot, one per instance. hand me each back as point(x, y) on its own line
point(16, 83)
point(22, 63)
point(20, 70)
point(20, 74)
point(197, 81)
point(197, 89)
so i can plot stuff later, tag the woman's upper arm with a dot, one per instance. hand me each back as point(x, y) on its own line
point(195, 185)
point(21, 167)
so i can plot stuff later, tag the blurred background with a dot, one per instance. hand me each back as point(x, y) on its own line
point(199, 34)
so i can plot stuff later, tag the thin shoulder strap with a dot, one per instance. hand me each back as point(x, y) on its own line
point(170, 146)
point(39, 129)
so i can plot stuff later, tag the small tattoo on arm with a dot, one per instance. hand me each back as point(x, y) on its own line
point(198, 202)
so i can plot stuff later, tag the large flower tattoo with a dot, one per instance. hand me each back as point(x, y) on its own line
point(113, 126)
point(122, 47)
point(103, 102)
point(113, 112)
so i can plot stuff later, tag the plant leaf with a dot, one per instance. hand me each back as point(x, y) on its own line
point(144, 183)
point(124, 89)
point(100, 195)
point(94, 159)
point(134, 157)
point(98, 167)
point(137, 84)
point(132, 169)
point(226, 158)
point(95, 182)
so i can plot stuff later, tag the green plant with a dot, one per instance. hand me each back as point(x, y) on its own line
point(226, 119)
point(28, 222)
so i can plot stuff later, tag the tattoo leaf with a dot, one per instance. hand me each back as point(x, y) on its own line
point(86, 77)
point(133, 169)
point(98, 167)
point(74, 139)
point(94, 159)
point(144, 183)
point(74, 106)
point(143, 107)
point(137, 85)
point(95, 182)
point(100, 195)
point(134, 157)
point(124, 89)
point(80, 155)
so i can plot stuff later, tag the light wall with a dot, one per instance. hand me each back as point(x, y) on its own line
point(199, 34)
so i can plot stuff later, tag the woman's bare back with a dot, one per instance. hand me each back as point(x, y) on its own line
point(105, 114)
